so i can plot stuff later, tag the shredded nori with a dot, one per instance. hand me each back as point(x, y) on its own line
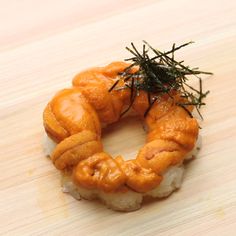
point(160, 74)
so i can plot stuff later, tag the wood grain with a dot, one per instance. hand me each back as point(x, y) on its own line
point(43, 44)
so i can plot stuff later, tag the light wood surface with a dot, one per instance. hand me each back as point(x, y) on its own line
point(43, 44)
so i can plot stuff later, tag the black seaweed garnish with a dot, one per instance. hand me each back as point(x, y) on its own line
point(161, 74)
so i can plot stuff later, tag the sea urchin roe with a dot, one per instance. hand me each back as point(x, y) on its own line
point(76, 148)
point(160, 154)
point(114, 68)
point(74, 113)
point(140, 179)
point(179, 130)
point(99, 171)
point(53, 128)
point(95, 84)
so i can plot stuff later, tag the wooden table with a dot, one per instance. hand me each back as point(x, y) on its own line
point(43, 44)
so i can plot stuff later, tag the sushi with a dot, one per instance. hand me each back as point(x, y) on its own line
point(74, 118)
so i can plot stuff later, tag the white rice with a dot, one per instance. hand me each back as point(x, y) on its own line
point(172, 180)
point(48, 145)
point(127, 201)
point(195, 150)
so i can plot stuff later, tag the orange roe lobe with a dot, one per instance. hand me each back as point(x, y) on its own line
point(95, 84)
point(160, 154)
point(163, 105)
point(159, 108)
point(114, 68)
point(141, 103)
point(180, 131)
point(99, 171)
point(160, 114)
point(52, 127)
point(72, 113)
point(139, 179)
point(75, 148)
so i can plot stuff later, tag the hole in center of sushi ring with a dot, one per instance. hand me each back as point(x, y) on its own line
point(125, 137)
